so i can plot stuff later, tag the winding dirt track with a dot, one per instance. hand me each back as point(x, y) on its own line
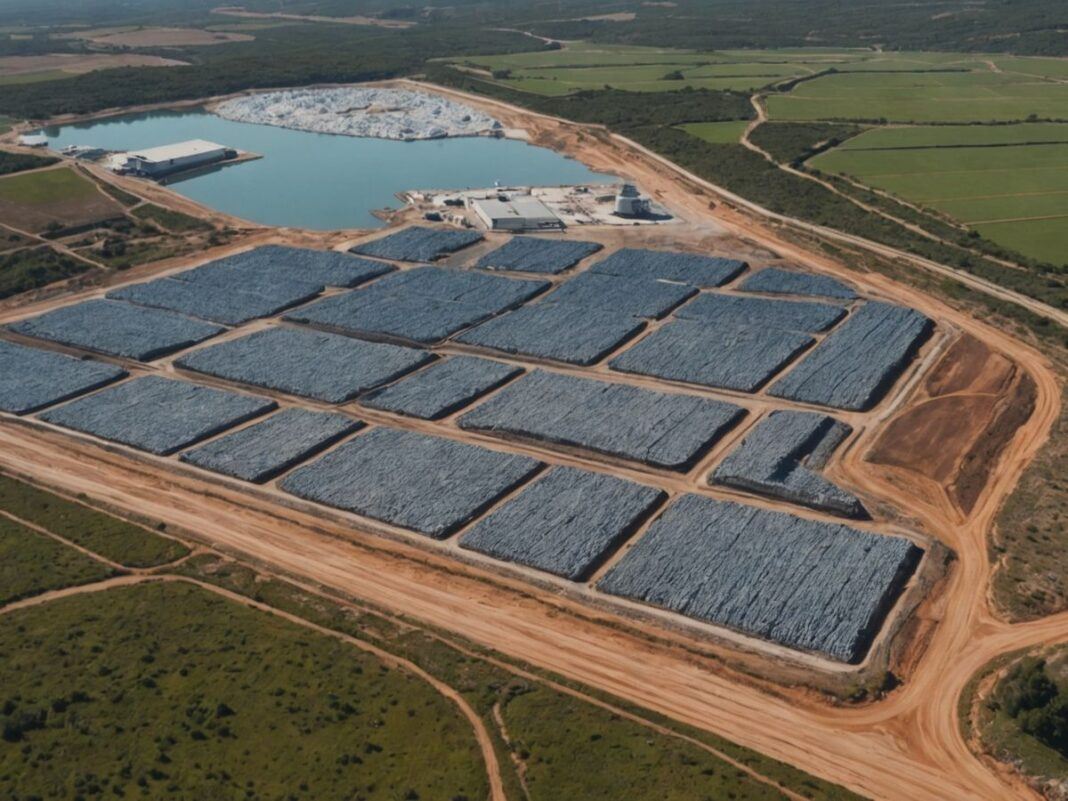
point(908, 746)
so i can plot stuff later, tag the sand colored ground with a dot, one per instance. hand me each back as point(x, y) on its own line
point(77, 64)
point(159, 37)
point(907, 746)
point(238, 11)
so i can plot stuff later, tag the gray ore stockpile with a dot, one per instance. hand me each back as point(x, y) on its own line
point(118, 329)
point(418, 243)
point(860, 360)
point(782, 458)
point(670, 431)
point(423, 305)
point(697, 352)
point(423, 483)
point(158, 415)
point(637, 296)
point(441, 388)
point(557, 331)
point(263, 450)
point(565, 523)
point(31, 379)
point(776, 281)
point(805, 584)
point(311, 364)
point(530, 254)
point(786, 315)
point(283, 263)
point(685, 268)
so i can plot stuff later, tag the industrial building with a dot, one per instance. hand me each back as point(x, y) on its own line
point(516, 213)
point(33, 140)
point(158, 161)
point(629, 203)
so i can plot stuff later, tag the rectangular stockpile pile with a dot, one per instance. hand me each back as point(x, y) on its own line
point(636, 296)
point(418, 243)
point(219, 303)
point(118, 329)
point(557, 331)
point(685, 268)
point(742, 358)
point(531, 254)
point(782, 458)
point(423, 483)
point(654, 428)
point(423, 305)
point(283, 263)
point(776, 281)
point(442, 388)
point(565, 523)
point(31, 379)
point(311, 364)
point(265, 449)
point(859, 361)
point(805, 584)
point(786, 315)
point(158, 415)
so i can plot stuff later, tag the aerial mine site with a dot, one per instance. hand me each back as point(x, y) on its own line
point(582, 405)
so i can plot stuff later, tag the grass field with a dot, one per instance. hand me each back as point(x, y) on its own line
point(101, 533)
point(31, 563)
point(31, 268)
point(1008, 182)
point(718, 133)
point(60, 197)
point(166, 690)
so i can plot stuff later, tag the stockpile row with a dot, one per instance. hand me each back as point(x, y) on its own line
point(442, 388)
point(731, 357)
point(557, 331)
point(31, 379)
point(639, 297)
point(782, 458)
point(738, 311)
point(530, 254)
point(158, 415)
point(685, 268)
point(258, 283)
point(805, 584)
point(423, 305)
point(268, 448)
point(423, 483)
point(776, 281)
point(118, 329)
point(311, 364)
point(654, 428)
point(418, 243)
point(565, 523)
point(860, 360)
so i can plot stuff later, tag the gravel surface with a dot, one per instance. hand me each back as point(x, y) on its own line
point(441, 388)
point(635, 296)
point(531, 254)
point(776, 281)
point(418, 243)
point(685, 268)
point(786, 315)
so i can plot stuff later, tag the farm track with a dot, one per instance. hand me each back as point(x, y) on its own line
point(907, 746)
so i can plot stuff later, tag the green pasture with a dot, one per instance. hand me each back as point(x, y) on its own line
point(975, 96)
point(718, 133)
point(1041, 239)
point(917, 136)
point(34, 77)
point(31, 563)
point(169, 691)
point(46, 186)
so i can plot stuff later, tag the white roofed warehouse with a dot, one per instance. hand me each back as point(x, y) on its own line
point(516, 213)
point(158, 161)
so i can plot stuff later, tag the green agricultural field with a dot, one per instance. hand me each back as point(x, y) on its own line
point(34, 77)
point(100, 533)
point(981, 95)
point(53, 198)
point(718, 133)
point(1013, 194)
point(31, 563)
point(168, 690)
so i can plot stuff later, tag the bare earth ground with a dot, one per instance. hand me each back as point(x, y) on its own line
point(907, 746)
point(238, 11)
point(76, 64)
point(159, 37)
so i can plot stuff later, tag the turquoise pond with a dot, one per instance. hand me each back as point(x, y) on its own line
point(322, 181)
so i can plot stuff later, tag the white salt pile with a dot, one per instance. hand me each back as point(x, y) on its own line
point(382, 113)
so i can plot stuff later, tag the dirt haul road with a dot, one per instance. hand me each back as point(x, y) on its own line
point(906, 747)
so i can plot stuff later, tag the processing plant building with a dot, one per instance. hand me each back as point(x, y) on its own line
point(158, 161)
point(515, 213)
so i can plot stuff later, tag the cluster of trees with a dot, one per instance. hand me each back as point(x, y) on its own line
point(1039, 706)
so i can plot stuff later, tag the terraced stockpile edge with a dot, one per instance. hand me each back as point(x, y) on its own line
point(816, 586)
